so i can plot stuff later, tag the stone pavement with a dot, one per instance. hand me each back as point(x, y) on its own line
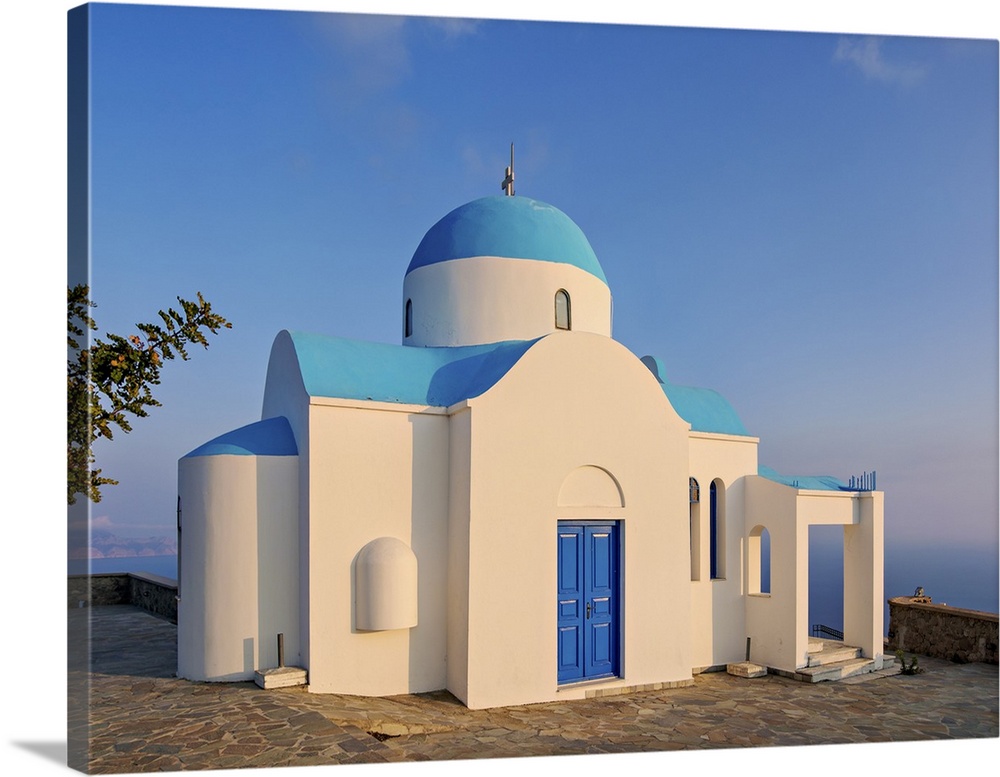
point(142, 718)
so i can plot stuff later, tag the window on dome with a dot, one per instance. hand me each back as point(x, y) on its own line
point(408, 319)
point(563, 320)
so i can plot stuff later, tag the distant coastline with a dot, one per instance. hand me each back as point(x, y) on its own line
point(104, 544)
point(108, 553)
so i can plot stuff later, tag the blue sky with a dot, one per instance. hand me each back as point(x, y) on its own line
point(805, 222)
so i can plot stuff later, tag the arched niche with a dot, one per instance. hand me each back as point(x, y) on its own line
point(590, 486)
point(759, 560)
point(385, 579)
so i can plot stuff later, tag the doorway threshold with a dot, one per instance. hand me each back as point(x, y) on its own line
point(574, 685)
point(617, 686)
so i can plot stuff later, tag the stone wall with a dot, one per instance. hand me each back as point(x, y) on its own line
point(156, 594)
point(917, 625)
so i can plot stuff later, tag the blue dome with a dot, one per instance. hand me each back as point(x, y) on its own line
point(513, 227)
point(270, 437)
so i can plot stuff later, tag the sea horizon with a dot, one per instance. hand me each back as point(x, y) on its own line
point(959, 575)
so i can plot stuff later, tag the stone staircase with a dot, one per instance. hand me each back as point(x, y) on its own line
point(833, 660)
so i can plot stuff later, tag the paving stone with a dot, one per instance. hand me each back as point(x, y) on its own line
point(142, 718)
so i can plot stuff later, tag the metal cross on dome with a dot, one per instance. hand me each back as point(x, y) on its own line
point(508, 182)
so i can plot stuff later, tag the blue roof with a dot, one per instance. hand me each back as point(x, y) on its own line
point(514, 227)
point(808, 482)
point(440, 377)
point(706, 410)
point(270, 437)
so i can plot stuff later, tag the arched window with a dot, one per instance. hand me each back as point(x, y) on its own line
point(694, 500)
point(759, 561)
point(563, 318)
point(408, 319)
point(717, 530)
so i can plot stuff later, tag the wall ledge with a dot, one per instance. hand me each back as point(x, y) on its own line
point(924, 603)
point(917, 625)
point(153, 593)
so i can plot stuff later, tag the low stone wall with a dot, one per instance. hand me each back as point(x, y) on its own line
point(156, 594)
point(917, 625)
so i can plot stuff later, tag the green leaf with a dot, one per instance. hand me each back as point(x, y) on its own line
point(108, 381)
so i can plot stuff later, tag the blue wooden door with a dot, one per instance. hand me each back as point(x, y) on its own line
point(570, 612)
point(587, 601)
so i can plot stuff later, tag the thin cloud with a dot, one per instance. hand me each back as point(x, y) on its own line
point(101, 522)
point(106, 523)
point(456, 28)
point(373, 48)
point(473, 160)
point(866, 54)
point(482, 162)
point(83, 523)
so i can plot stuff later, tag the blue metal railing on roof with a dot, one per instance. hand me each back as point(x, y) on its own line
point(863, 482)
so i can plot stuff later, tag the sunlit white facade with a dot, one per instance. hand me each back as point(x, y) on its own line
point(510, 504)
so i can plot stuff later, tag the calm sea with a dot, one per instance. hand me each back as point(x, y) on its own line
point(959, 576)
point(165, 566)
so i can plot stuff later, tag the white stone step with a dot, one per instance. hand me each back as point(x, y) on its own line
point(836, 671)
point(889, 668)
point(746, 669)
point(280, 677)
point(834, 656)
point(829, 651)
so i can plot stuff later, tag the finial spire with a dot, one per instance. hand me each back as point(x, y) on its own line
point(508, 182)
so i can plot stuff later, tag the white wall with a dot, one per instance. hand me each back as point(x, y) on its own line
point(778, 623)
point(239, 565)
point(459, 495)
point(574, 399)
point(863, 576)
point(717, 606)
point(378, 470)
point(488, 299)
point(285, 395)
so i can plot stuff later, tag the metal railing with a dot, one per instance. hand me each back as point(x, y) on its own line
point(821, 630)
point(862, 482)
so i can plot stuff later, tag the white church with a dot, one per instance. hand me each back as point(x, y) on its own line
point(509, 505)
